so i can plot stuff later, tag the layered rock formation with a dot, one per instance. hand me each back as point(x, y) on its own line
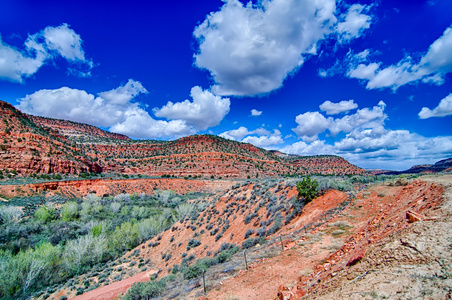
point(36, 145)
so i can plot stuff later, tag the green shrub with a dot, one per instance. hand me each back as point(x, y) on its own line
point(43, 214)
point(307, 188)
point(193, 243)
point(248, 243)
point(145, 290)
point(192, 272)
point(69, 211)
point(125, 237)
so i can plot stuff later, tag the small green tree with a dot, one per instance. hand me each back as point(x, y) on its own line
point(307, 188)
point(69, 211)
point(43, 214)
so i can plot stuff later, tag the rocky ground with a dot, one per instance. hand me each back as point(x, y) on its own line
point(415, 263)
point(391, 241)
point(368, 251)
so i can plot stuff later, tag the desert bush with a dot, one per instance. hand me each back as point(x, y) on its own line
point(307, 188)
point(218, 236)
point(249, 232)
point(151, 226)
point(337, 183)
point(261, 231)
point(192, 271)
point(115, 207)
point(44, 214)
point(124, 237)
point(340, 224)
point(19, 273)
point(69, 211)
point(9, 214)
point(84, 251)
point(139, 212)
point(85, 210)
point(144, 290)
point(121, 198)
point(249, 218)
point(276, 226)
point(250, 242)
point(184, 210)
point(192, 243)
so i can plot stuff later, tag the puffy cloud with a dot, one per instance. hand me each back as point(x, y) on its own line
point(115, 109)
point(370, 140)
point(259, 137)
point(235, 134)
point(265, 141)
point(124, 94)
point(206, 110)
point(14, 65)
point(363, 118)
point(256, 113)
point(443, 109)
point(336, 108)
point(367, 143)
point(432, 67)
point(76, 105)
point(40, 48)
point(63, 41)
point(310, 124)
point(250, 49)
point(363, 71)
point(438, 58)
point(354, 23)
point(380, 148)
point(317, 147)
point(139, 124)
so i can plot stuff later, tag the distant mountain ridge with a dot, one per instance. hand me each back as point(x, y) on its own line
point(444, 165)
point(36, 145)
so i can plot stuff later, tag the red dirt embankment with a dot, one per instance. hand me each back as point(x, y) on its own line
point(113, 290)
point(312, 259)
point(323, 248)
point(174, 241)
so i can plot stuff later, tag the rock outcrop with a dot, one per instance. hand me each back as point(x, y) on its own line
point(36, 145)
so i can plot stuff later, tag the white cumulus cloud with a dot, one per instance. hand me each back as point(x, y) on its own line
point(63, 41)
point(431, 68)
point(115, 110)
point(80, 106)
point(139, 124)
point(354, 23)
point(443, 109)
point(235, 134)
point(367, 143)
point(363, 118)
point(39, 49)
point(332, 108)
point(259, 137)
point(265, 141)
point(206, 110)
point(380, 148)
point(311, 124)
point(250, 49)
point(256, 113)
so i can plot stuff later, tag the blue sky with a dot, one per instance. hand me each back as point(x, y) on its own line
point(367, 80)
